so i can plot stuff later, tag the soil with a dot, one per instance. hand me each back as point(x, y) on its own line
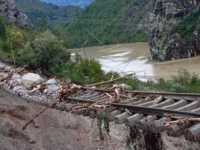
point(58, 130)
point(52, 130)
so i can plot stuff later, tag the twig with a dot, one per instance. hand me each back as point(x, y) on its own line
point(25, 126)
point(110, 81)
point(181, 121)
point(158, 100)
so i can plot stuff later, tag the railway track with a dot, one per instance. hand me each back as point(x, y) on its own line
point(136, 109)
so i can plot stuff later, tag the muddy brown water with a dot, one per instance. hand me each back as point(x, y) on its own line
point(133, 57)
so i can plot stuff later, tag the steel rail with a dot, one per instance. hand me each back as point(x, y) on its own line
point(145, 110)
point(187, 96)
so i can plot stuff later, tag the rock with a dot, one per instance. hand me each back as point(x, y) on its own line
point(30, 78)
point(2, 66)
point(52, 88)
point(4, 75)
point(125, 86)
point(15, 82)
point(51, 81)
point(20, 90)
point(9, 10)
point(16, 76)
point(8, 68)
point(164, 41)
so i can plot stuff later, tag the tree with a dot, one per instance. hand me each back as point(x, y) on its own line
point(46, 52)
point(2, 31)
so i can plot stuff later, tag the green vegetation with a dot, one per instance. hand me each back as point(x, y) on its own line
point(187, 27)
point(2, 31)
point(110, 22)
point(54, 13)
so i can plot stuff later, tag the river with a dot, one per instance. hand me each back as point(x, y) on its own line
point(133, 57)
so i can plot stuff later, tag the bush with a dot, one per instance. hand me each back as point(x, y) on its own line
point(46, 51)
point(2, 31)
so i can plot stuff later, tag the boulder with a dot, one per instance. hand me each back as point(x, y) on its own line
point(20, 90)
point(2, 66)
point(30, 78)
point(51, 81)
point(52, 88)
point(9, 10)
point(15, 76)
point(15, 82)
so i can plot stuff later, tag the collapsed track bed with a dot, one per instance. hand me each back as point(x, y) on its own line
point(138, 109)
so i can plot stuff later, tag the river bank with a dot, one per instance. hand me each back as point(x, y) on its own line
point(134, 57)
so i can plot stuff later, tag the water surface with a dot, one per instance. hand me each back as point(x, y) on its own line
point(134, 58)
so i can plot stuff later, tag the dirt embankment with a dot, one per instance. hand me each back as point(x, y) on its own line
point(53, 130)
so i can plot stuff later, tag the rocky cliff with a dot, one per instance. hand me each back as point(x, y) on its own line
point(175, 29)
point(10, 12)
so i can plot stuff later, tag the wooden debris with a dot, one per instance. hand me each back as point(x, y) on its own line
point(97, 107)
point(25, 126)
point(181, 121)
point(40, 87)
point(158, 99)
point(110, 81)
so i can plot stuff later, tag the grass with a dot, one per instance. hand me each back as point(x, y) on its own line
point(184, 82)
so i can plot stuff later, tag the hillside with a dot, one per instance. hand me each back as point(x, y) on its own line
point(55, 13)
point(110, 22)
point(81, 3)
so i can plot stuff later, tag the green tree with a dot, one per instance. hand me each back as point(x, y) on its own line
point(46, 51)
point(2, 31)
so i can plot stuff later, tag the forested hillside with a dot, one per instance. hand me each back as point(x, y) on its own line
point(111, 22)
point(55, 13)
point(81, 3)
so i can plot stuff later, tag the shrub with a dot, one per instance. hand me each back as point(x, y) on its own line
point(46, 51)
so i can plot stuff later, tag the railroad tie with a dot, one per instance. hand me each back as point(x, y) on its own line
point(120, 119)
point(193, 134)
point(144, 122)
point(113, 114)
point(197, 110)
point(164, 103)
point(157, 125)
point(190, 106)
point(132, 120)
point(177, 130)
point(176, 105)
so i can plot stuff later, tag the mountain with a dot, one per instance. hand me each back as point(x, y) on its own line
point(175, 30)
point(11, 13)
point(111, 22)
point(55, 13)
point(81, 3)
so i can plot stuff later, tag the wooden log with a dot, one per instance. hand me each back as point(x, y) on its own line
point(164, 103)
point(120, 119)
point(177, 130)
point(193, 134)
point(176, 105)
point(157, 125)
point(113, 114)
point(111, 81)
point(190, 106)
point(132, 120)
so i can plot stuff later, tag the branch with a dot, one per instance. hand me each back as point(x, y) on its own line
point(110, 81)
point(25, 126)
